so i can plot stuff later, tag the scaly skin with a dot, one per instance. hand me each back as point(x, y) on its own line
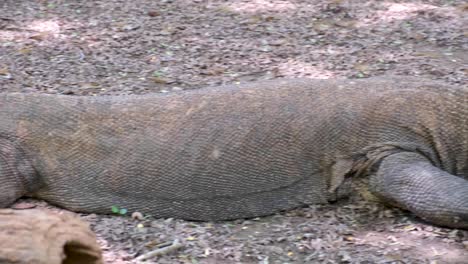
point(241, 151)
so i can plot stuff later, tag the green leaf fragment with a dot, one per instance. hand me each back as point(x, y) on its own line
point(157, 74)
point(115, 209)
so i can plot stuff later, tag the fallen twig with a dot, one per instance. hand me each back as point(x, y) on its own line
point(175, 245)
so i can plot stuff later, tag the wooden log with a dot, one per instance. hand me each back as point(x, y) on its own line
point(39, 236)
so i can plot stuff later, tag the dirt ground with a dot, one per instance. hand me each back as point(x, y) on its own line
point(79, 47)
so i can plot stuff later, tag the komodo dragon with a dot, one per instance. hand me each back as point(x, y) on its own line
point(241, 151)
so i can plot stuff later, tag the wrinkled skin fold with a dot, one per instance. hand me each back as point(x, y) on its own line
point(241, 151)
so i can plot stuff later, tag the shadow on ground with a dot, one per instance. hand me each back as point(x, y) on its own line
point(134, 47)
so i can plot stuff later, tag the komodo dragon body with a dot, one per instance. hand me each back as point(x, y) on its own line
point(241, 151)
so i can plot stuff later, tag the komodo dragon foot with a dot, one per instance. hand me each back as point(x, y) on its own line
point(408, 180)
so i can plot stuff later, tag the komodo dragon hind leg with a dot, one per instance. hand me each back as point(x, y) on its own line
point(17, 176)
point(408, 180)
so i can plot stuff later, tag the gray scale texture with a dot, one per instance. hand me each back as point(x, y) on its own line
point(243, 150)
